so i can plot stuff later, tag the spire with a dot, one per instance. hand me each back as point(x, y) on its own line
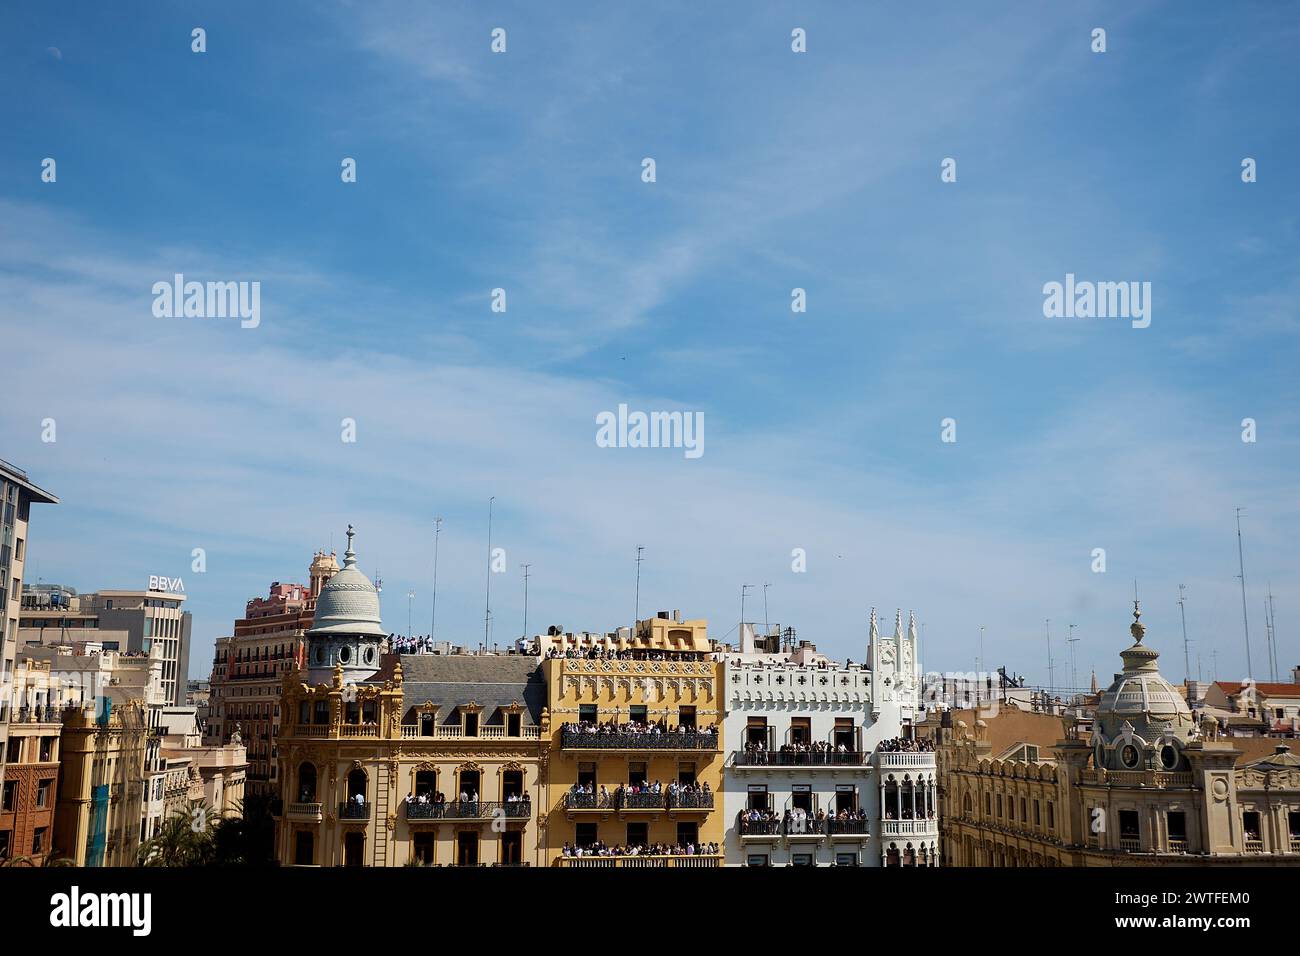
point(875, 631)
point(349, 556)
point(898, 624)
point(1094, 681)
point(911, 626)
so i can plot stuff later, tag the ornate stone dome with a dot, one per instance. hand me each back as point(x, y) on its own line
point(1141, 720)
point(348, 602)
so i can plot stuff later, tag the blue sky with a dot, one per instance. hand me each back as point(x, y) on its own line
point(775, 171)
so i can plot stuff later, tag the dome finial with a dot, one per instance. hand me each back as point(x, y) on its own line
point(1136, 628)
point(350, 556)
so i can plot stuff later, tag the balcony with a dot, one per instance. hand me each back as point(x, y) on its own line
point(351, 810)
point(758, 829)
point(904, 760)
point(1158, 779)
point(470, 810)
point(650, 862)
point(848, 827)
point(624, 802)
point(909, 827)
point(777, 758)
point(303, 812)
point(457, 732)
point(1130, 844)
point(1254, 845)
point(1177, 845)
point(673, 740)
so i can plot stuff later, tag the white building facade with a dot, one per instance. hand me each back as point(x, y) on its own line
point(822, 768)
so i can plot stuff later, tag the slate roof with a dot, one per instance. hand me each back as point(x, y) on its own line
point(490, 681)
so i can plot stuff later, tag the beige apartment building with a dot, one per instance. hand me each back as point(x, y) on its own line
point(1146, 786)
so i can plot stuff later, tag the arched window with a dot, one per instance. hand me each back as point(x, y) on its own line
point(307, 783)
point(357, 785)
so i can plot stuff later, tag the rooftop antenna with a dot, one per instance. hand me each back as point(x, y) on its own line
point(487, 609)
point(1074, 676)
point(740, 632)
point(1272, 626)
point(433, 618)
point(1051, 668)
point(1245, 621)
point(766, 624)
point(636, 613)
point(410, 597)
point(980, 663)
point(525, 567)
point(1182, 611)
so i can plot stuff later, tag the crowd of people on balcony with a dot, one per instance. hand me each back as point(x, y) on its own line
point(400, 644)
point(676, 792)
point(798, 820)
point(907, 745)
point(819, 751)
point(908, 814)
point(613, 654)
point(600, 848)
point(634, 727)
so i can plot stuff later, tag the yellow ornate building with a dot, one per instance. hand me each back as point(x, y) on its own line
point(635, 761)
point(1147, 786)
point(418, 759)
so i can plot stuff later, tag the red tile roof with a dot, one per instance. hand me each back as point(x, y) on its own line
point(1267, 690)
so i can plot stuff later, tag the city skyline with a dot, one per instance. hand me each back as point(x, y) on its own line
point(523, 171)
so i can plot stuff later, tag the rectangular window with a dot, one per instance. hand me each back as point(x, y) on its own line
point(999, 804)
point(638, 713)
point(1038, 818)
point(514, 725)
point(1176, 821)
point(758, 798)
point(43, 794)
point(587, 713)
point(688, 832)
point(1250, 824)
point(38, 840)
point(587, 774)
point(14, 750)
point(10, 796)
point(1051, 815)
point(1293, 824)
point(686, 773)
point(801, 730)
point(584, 834)
point(422, 848)
point(471, 725)
point(756, 859)
point(636, 773)
point(512, 848)
point(638, 834)
point(801, 859)
point(846, 859)
point(686, 718)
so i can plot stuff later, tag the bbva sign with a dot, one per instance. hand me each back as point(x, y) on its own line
point(159, 583)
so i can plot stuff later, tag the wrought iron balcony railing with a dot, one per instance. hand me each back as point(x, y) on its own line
point(470, 810)
point(670, 740)
point(798, 758)
point(351, 810)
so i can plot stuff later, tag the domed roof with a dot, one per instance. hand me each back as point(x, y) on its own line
point(348, 602)
point(1140, 697)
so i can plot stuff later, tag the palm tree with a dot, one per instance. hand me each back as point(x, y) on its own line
point(185, 839)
